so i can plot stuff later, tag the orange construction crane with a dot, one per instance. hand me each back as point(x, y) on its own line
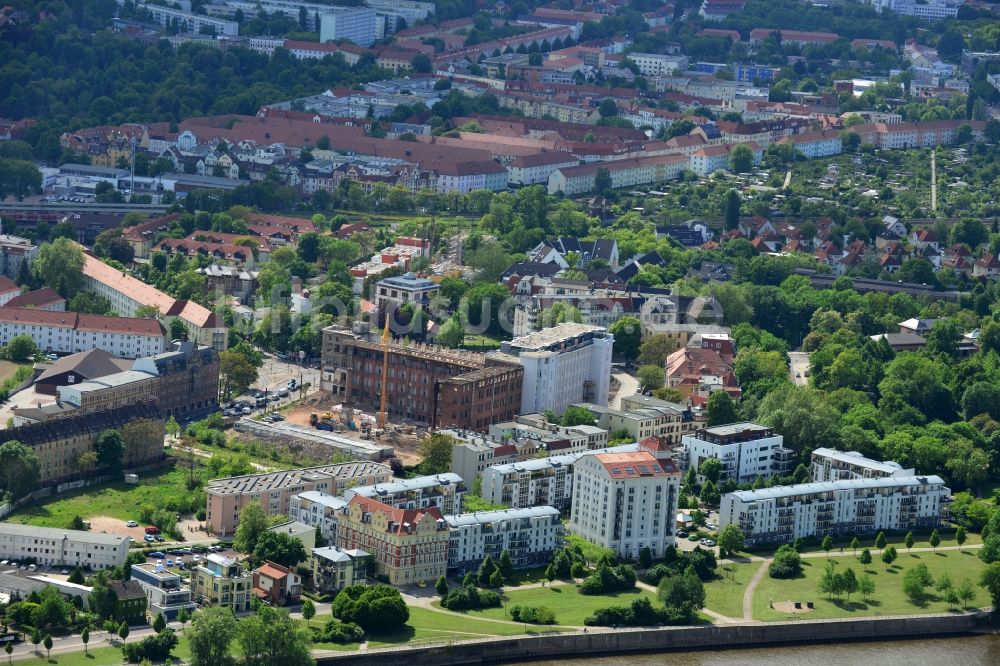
point(385, 375)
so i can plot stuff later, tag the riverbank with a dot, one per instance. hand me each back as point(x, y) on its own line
point(671, 639)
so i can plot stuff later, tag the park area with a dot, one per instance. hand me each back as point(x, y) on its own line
point(569, 606)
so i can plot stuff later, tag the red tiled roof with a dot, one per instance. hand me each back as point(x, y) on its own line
point(397, 517)
point(82, 322)
point(35, 299)
point(7, 285)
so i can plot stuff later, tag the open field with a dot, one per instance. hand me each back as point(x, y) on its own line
point(888, 599)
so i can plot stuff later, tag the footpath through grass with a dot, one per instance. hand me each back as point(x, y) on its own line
point(725, 594)
point(888, 599)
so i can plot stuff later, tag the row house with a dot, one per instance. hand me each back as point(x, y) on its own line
point(240, 255)
point(822, 143)
point(623, 173)
point(710, 159)
point(924, 134)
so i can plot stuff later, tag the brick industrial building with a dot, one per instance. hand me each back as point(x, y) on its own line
point(428, 384)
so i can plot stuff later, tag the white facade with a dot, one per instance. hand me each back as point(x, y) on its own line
point(539, 481)
point(443, 491)
point(655, 64)
point(563, 365)
point(49, 546)
point(855, 506)
point(625, 502)
point(357, 24)
point(63, 335)
point(523, 172)
point(833, 465)
point(746, 451)
point(317, 509)
point(192, 23)
point(529, 535)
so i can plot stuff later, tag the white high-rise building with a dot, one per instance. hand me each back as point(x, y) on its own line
point(563, 365)
point(357, 24)
point(847, 507)
point(746, 450)
point(625, 502)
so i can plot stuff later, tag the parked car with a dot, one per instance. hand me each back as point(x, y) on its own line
point(157, 555)
point(682, 534)
point(692, 537)
point(149, 538)
point(169, 563)
point(132, 523)
point(152, 529)
point(707, 542)
point(199, 549)
point(158, 537)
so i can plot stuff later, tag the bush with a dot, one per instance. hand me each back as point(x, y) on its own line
point(787, 563)
point(469, 597)
point(374, 608)
point(336, 631)
point(609, 579)
point(532, 615)
point(154, 648)
point(641, 613)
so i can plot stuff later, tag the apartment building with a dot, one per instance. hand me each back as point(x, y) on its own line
point(473, 452)
point(317, 509)
point(656, 64)
point(746, 450)
point(441, 491)
point(535, 169)
point(640, 422)
point(426, 383)
point(822, 143)
point(275, 584)
point(61, 442)
point(187, 378)
point(563, 365)
point(221, 581)
point(15, 250)
point(709, 159)
point(334, 569)
point(408, 545)
point(274, 490)
point(627, 172)
point(357, 24)
point(924, 134)
point(71, 332)
point(408, 289)
point(110, 391)
point(191, 23)
point(833, 465)
point(537, 481)
point(625, 502)
point(127, 294)
point(49, 546)
point(530, 535)
point(550, 436)
point(165, 591)
point(837, 508)
point(797, 37)
point(679, 420)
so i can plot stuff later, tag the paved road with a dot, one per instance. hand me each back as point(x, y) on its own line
point(276, 374)
point(628, 385)
point(799, 367)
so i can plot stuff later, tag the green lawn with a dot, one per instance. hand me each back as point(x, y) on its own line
point(725, 594)
point(888, 598)
point(569, 605)
point(101, 654)
point(432, 626)
point(117, 500)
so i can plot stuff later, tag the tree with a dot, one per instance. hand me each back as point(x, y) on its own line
point(602, 181)
point(36, 638)
point(19, 469)
point(889, 556)
point(21, 348)
point(915, 583)
point(607, 108)
point(172, 427)
point(183, 616)
point(496, 580)
point(960, 536)
point(159, 623)
point(827, 544)
point(308, 611)
point(865, 558)
point(253, 522)
point(654, 349)
point(441, 586)
point(741, 159)
point(47, 642)
point(828, 583)
point(732, 209)
point(435, 449)
point(506, 564)
point(848, 583)
point(279, 548)
point(651, 377)
point(721, 409)
point(711, 469)
point(866, 586)
point(574, 416)
point(854, 545)
point(452, 333)
point(627, 332)
point(211, 633)
point(109, 447)
point(989, 579)
point(786, 563)
point(682, 595)
point(966, 592)
point(731, 540)
point(123, 631)
point(486, 569)
point(908, 541)
point(59, 265)
point(9, 649)
point(935, 540)
point(236, 371)
point(645, 557)
point(85, 637)
point(880, 540)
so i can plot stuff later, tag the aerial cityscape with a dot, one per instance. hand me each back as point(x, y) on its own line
point(353, 332)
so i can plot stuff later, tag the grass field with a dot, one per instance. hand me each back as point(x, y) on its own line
point(117, 500)
point(100, 656)
point(888, 599)
point(566, 602)
point(725, 594)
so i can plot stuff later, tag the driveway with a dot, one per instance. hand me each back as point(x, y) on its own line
point(628, 386)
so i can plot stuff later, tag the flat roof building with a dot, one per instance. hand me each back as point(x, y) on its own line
point(746, 451)
point(49, 546)
point(833, 465)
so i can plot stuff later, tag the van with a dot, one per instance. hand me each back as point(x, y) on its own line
point(32, 567)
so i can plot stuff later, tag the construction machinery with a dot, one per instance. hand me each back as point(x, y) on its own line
point(385, 375)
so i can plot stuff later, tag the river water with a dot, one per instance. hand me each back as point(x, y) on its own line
point(964, 651)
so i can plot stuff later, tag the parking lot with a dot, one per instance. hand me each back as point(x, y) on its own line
point(185, 558)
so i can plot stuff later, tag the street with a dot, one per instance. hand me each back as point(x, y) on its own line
point(275, 373)
point(799, 368)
